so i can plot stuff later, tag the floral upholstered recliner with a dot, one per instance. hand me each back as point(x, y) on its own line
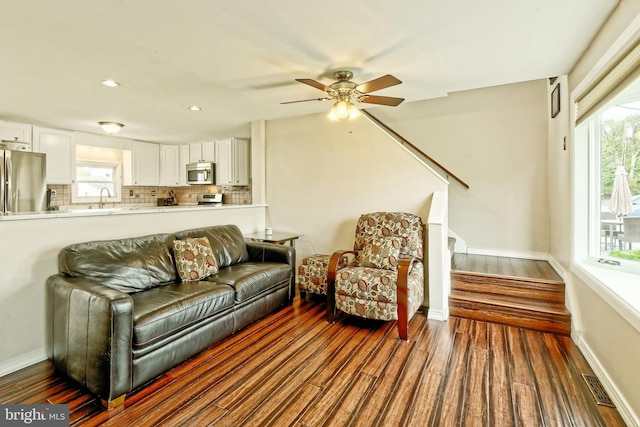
point(385, 281)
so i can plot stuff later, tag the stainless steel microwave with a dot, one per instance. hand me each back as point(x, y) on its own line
point(201, 173)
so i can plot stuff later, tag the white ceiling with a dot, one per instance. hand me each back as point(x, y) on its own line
point(238, 59)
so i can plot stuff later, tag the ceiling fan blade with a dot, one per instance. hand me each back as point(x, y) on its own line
point(305, 100)
point(379, 83)
point(382, 100)
point(315, 84)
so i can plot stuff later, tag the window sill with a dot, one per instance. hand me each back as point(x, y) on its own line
point(621, 290)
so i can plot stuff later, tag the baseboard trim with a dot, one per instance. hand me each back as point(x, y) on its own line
point(622, 405)
point(557, 267)
point(437, 315)
point(20, 362)
point(512, 254)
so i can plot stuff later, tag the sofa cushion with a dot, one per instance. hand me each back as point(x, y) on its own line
point(227, 243)
point(162, 311)
point(252, 278)
point(128, 265)
point(194, 259)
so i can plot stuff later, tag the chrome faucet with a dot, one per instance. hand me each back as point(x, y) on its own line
point(101, 205)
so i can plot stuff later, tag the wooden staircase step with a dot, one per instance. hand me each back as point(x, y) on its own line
point(510, 310)
point(552, 291)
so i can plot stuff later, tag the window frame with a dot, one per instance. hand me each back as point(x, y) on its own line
point(594, 256)
point(116, 196)
point(618, 287)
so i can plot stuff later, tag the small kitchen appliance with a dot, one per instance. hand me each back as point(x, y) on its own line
point(201, 173)
point(210, 199)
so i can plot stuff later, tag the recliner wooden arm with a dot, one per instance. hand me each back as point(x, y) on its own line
point(402, 294)
point(331, 281)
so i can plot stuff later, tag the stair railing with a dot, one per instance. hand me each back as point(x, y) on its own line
point(420, 155)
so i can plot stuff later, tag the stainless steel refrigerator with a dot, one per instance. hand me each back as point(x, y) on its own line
point(23, 179)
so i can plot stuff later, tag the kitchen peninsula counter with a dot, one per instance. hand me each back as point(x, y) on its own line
point(126, 210)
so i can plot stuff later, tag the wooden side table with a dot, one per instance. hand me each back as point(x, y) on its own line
point(275, 237)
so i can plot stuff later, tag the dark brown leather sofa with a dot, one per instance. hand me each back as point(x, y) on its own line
point(119, 315)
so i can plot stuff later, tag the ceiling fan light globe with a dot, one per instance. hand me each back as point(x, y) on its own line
point(354, 113)
point(342, 109)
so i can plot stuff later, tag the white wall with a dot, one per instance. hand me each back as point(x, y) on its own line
point(494, 139)
point(559, 177)
point(321, 175)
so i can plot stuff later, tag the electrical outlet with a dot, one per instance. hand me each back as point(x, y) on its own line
point(153, 193)
point(130, 193)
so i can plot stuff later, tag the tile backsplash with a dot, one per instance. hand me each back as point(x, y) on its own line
point(139, 195)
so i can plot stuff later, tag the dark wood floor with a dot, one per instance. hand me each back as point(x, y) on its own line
point(504, 266)
point(294, 368)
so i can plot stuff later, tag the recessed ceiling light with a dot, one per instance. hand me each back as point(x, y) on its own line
point(195, 108)
point(110, 83)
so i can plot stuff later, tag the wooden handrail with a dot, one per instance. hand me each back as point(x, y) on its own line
point(405, 141)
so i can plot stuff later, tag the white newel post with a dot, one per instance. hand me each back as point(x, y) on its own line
point(439, 258)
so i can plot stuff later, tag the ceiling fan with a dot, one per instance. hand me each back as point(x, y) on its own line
point(346, 93)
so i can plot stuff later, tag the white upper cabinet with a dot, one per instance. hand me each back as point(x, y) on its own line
point(173, 165)
point(241, 162)
point(202, 152)
point(224, 163)
point(60, 148)
point(209, 151)
point(184, 160)
point(195, 152)
point(11, 131)
point(146, 163)
point(170, 165)
point(232, 161)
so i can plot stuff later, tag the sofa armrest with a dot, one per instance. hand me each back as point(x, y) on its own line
point(91, 328)
point(271, 252)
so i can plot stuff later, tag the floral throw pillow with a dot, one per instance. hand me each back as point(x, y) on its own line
point(194, 259)
point(383, 253)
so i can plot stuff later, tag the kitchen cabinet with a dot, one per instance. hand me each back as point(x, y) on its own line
point(173, 165)
point(170, 165)
point(202, 152)
point(146, 163)
point(9, 131)
point(241, 162)
point(60, 148)
point(184, 161)
point(224, 163)
point(232, 161)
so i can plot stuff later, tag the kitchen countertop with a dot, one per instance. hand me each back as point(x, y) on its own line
point(126, 210)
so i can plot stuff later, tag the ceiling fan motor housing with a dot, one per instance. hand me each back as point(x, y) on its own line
point(344, 89)
point(343, 75)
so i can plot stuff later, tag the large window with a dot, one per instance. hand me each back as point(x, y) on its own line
point(612, 134)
